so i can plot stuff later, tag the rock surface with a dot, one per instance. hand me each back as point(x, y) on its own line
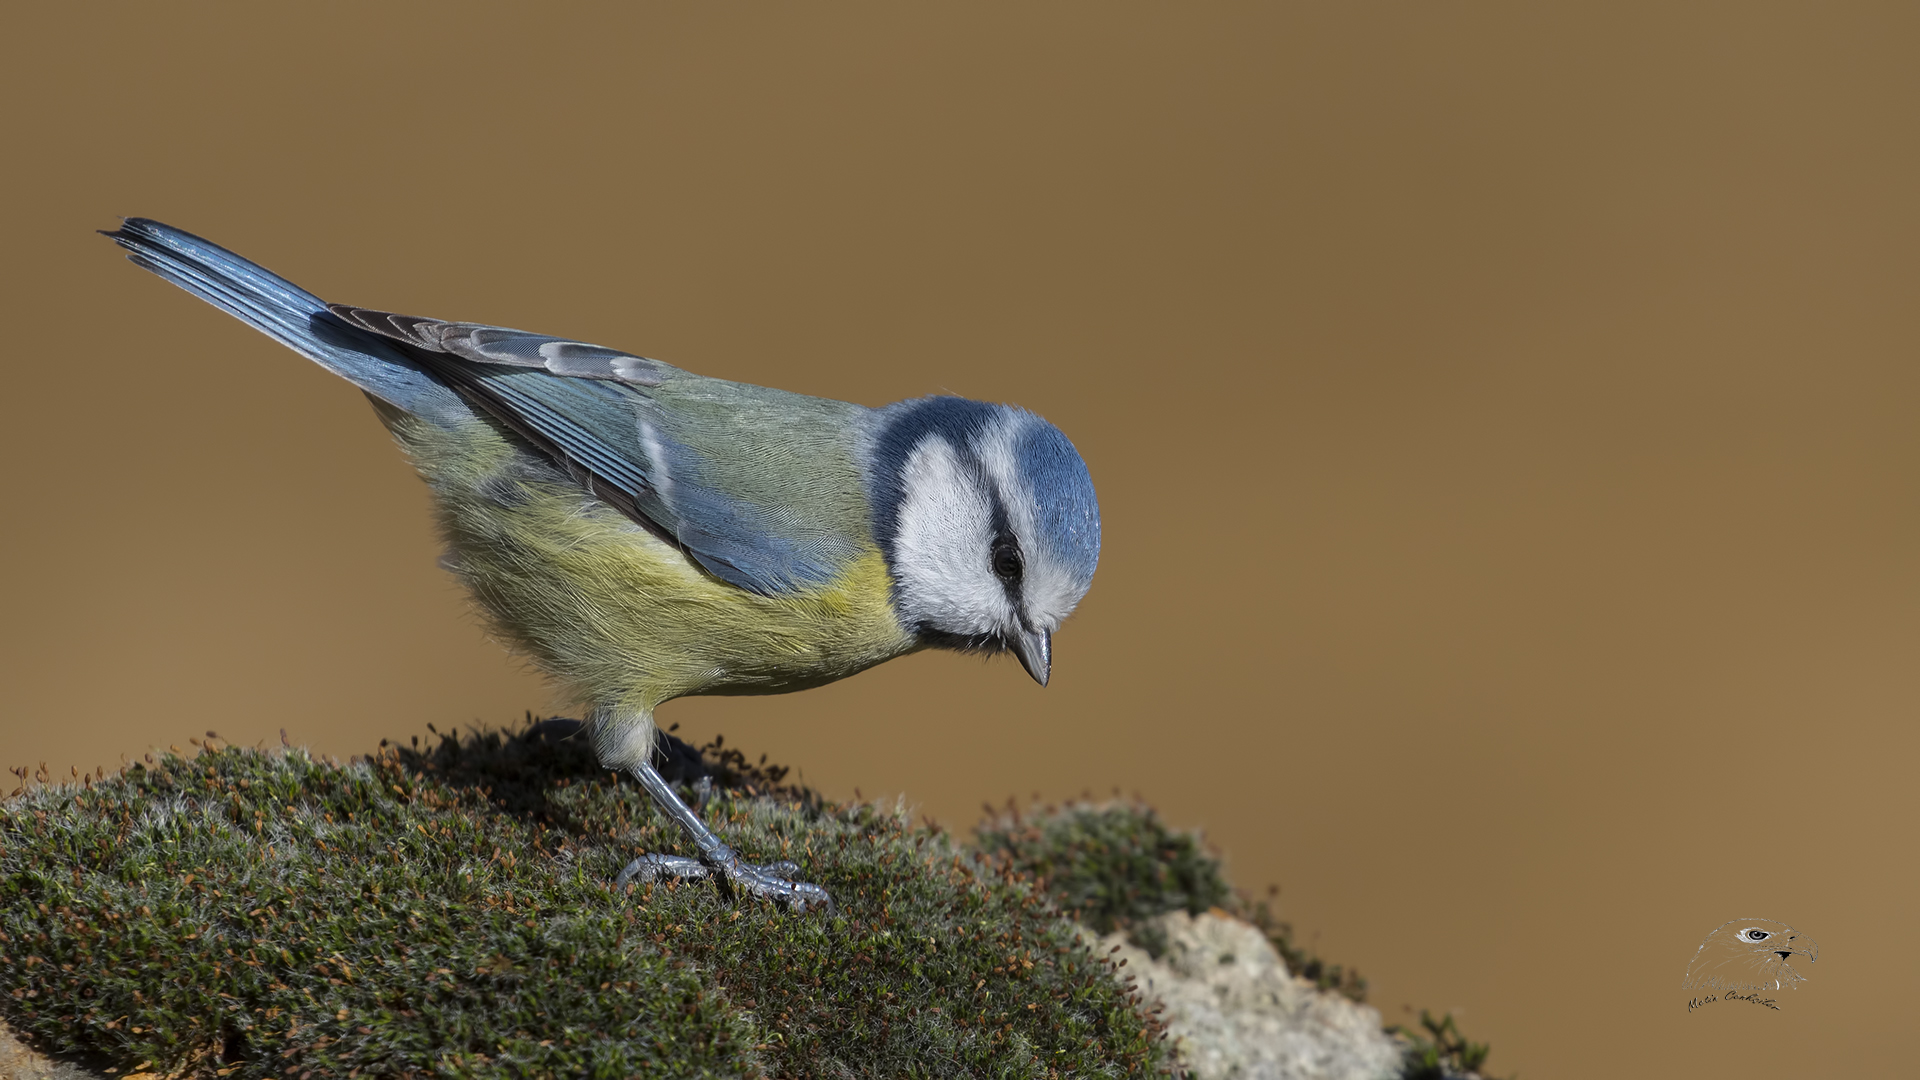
point(18, 1061)
point(1236, 1014)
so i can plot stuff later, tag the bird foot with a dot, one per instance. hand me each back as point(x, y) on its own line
point(735, 875)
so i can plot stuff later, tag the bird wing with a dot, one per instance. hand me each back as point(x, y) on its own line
point(759, 486)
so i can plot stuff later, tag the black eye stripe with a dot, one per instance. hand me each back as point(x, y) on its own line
point(1004, 556)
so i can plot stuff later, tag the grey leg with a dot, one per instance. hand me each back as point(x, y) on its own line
point(772, 881)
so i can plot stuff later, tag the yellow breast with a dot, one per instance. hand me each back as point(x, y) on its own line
point(618, 614)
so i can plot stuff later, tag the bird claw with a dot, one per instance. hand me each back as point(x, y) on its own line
point(735, 875)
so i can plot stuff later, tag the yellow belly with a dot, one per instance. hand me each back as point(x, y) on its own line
point(616, 613)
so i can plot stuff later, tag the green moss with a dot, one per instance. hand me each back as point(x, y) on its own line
point(1117, 866)
point(1111, 865)
point(1301, 961)
point(448, 911)
point(1439, 1051)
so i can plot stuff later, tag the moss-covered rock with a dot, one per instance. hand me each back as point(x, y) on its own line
point(1236, 1013)
point(1111, 865)
point(1117, 866)
point(449, 911)
point(1122, 871)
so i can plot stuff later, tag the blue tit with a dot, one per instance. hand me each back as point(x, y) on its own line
point(645, 533)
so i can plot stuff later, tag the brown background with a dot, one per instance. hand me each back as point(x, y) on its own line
point(1504, 418)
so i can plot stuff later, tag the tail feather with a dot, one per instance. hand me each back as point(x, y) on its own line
point(289, 314)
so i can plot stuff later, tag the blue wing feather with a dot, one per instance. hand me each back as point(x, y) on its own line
point(757, 485)
point(631, 442)
point(287, 313)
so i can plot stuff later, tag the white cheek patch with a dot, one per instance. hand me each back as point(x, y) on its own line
point(1049, 592)
point(945, 527)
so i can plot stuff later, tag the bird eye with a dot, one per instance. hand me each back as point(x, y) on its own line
point(1006, 560)
point(1758, 935)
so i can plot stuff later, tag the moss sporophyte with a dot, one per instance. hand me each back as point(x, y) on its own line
point(448, 911)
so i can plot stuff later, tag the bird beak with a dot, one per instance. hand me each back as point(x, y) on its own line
point(1035, 650)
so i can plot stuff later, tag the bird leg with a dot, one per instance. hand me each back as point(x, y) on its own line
point(772, 881)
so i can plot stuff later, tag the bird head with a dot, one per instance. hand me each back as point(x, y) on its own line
point(989, 524)
point(1750, 954)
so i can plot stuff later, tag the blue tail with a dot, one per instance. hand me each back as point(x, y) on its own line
point(288, 314)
